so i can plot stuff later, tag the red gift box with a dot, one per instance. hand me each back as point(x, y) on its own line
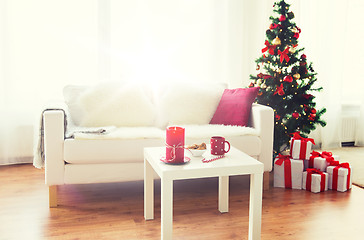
point(320, 160)
point(315, 180)
point(300, 147)
point(288, 172)
point(339, 176)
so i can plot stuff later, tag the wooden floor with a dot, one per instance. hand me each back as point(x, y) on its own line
point(115, 211)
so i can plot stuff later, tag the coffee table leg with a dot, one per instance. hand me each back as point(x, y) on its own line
point(148, 191)
point(166, 209)
point(255, 206)
point(224, 194)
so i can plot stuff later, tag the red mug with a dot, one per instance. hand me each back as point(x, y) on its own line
point(218, 145)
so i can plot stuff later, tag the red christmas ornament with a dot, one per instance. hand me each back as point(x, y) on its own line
point(278, 117)
point(282, 18)
point(295, 115)
point(303, 56)
point(296, 35)
point(313, 111)
point(288, 78)
point(312, 117)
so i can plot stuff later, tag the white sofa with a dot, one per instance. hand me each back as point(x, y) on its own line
point(117, 155)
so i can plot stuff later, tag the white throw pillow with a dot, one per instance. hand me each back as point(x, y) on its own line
point(112, 104)
point(71, 94)
point(189, 103)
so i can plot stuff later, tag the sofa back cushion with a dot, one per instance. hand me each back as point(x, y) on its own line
point(235, 106)
point(71, 95)
point(112, 104)
point(188, 103)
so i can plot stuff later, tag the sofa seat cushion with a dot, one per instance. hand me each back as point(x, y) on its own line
point(118, 133)
point(209, 130)
point(131, 151)
point(245, 139)
point(83, 151)
point(125, 145)
point(248, 144)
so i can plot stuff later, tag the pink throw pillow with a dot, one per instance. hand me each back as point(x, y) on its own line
point(235, 106)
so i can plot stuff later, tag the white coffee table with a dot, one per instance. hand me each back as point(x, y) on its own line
point(234, 163)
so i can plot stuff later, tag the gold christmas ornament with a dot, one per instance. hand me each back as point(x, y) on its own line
point(292, 50)
point(276, 41)
point(296, 76)
point(263, 86)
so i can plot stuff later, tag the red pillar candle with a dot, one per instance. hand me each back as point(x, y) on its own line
point(175, 142)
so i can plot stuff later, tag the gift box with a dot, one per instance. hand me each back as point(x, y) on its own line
point(339, 176)
point(315, 180)
point(321, 160)
point(288, 172)
point(300, 148)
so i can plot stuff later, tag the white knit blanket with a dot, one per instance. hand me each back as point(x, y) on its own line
point(70, 130)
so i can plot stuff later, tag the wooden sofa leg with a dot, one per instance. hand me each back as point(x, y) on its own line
point(53, 196)
point(266, 181)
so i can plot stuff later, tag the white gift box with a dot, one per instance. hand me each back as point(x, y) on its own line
point(300, 149)
point(319, 163)
point(343, 176)
point(315, 181)
point(296, 170)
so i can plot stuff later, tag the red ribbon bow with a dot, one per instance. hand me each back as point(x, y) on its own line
point(311, 171)
point(337, 164)
point(327, 155)
point(284, 54)
point(297, 136)
point(335, 174)
point(287, 169)
point(279, 90)
point(269, 47)
point(281, 159)
point(265, 76)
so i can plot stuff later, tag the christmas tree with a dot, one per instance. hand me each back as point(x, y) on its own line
point(286, 79)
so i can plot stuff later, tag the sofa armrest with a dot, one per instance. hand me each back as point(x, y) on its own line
point(262, 119)
point(54, 132)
